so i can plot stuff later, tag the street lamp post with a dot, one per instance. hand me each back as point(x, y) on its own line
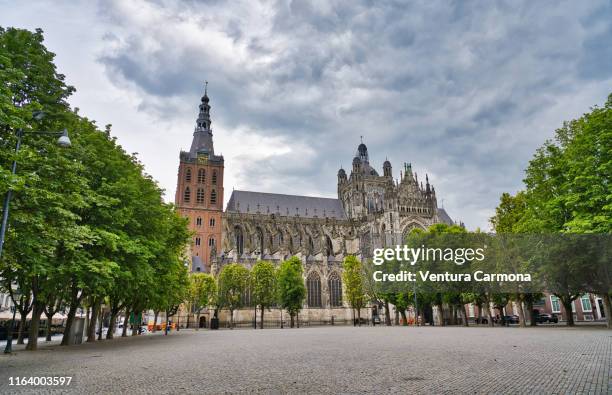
point(62, 141)
point(9, 338)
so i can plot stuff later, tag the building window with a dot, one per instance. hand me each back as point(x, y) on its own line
point(187, 195)
point(313, 284)
point(335, 290)
point(214, 177)
point(200, 195)
point(201, 176)
point(555, 304)
point(239, 240)
point(211, 242)
point(586, 303)
point(188, 175)
point(211, 223)
point(199, 221)
point(213, 197)
point(197, 241)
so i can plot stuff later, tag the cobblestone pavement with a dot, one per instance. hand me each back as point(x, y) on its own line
point(332, 360)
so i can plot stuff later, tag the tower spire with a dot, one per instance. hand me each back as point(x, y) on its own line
point(202, 135)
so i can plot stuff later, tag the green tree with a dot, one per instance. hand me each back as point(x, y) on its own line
point(203, 291)
point(291, 289)
point(263, 283)
point(233, 282)
point(567, 190)
point(352, 276)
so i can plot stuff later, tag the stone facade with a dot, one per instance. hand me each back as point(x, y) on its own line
point(371, 211)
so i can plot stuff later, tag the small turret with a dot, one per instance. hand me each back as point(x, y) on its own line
point(387, 170)
point(341, 176)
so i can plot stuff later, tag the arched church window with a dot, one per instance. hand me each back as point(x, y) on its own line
point(239, 240)
point(335, 290)
point(199, 221)
point(313, 285)
point(201, 176)
point(187, 195)
point(329, 247)
point(214, 177)
point(200, 195)
point(310, 246)
point(188, 175)
point(213, 197)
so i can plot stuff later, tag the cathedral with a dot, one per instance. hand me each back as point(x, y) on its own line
point(371, 211)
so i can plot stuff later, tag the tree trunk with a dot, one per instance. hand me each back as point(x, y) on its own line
point(359, 316)
point(126, 322)
point(91, 329)
point(49, 324)
point(464, 315)
point(567, 304)
point(489, 314)
point(387, 314)
point(353, 311)
point(74, 305)
point(198, 321)
point(404, 319)
point(101, 326)
point(521, 312)
point(37, 310)
point(111, 324)
point(155, 321)
point(396, 318)
point(232, 319)
point(607, 305)
point(261, 319)
point(21, 330)
point(440, 313)
point(530, 314)
point(292, 320)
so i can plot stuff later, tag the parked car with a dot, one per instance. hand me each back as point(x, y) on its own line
point(375, 320)
point(511, 319)
point(545, 317)
point(481, 320)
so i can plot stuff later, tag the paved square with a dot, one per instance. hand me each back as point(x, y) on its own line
point(333, 360)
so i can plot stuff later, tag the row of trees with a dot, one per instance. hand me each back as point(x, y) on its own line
point(567, 190)
point(268, 286)
point(88, 227)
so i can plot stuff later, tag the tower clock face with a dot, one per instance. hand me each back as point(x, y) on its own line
point(202, 159)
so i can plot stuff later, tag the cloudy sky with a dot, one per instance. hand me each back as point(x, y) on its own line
point(465, 91)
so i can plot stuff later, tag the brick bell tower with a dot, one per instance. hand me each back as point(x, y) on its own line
point(199, 190)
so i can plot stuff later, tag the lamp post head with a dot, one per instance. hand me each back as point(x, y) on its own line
point(64, 140)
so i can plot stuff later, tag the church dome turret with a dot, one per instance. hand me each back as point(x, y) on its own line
point(387, 168)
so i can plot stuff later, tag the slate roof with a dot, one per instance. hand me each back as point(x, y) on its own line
point(444, 217)
point(275, 203)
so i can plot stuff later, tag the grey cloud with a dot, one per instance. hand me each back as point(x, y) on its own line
point(461, 90)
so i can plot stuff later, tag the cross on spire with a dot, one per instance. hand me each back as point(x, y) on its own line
point(205, 87)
